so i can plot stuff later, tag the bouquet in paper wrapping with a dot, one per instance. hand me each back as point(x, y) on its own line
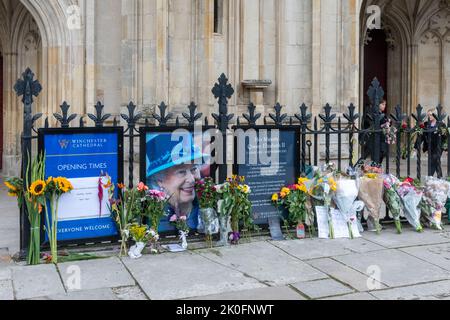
point(411, 197)
point(392, 200)
point(344, 198)
point(435, 193)
point(371, 193)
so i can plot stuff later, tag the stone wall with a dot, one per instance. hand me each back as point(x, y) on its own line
point(148, 51)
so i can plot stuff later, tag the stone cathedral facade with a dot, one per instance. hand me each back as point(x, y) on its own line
point(287, 51)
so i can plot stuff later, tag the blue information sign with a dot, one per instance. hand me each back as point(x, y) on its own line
point(90, 159)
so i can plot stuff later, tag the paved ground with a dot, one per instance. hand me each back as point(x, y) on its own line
point(389, 266)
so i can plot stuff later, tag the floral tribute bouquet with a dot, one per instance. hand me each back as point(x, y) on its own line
point(390, 132)
point(345, 199)
point(411, 196)
point(207, 197)
point(126, 211)
point(392, 200)
point(323, 187)
point(31, 193)
point(295, 198)
point(433, 202)
point(141, 234)
point(371, 186)
point(234, 202)
point(180, 222)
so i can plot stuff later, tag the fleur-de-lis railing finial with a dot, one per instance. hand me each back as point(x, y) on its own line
point(304, 117)
point(327, 118)
point(376, 94)
point(63, 118)
point(351, 116)
point(278, 118)
point(251, 117)
point(99, 118)
point(399, 117)
point(420, 116)
point(131, 118)
point(193, 116)
point(439, 115)
point(163, 116)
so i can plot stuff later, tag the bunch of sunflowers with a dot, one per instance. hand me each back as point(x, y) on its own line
point(35, 193)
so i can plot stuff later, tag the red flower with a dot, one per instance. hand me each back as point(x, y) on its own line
point(422, 126)
point(404, 126)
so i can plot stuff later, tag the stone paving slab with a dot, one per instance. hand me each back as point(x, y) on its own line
point(396, 267)
point(36, 281)
point(97, 274)
point(129, 293)
point(269, 293)
point(324, 248)
point(6, 290)
point(186, 275)
point(409, 238)
point(360, 296)
point(344, 274)
point(5, 273)
point(436, 254)
point(429, 291)
point(264, 262)
point(322, 288)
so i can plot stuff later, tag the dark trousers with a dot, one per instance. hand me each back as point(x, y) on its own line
point(436, 167)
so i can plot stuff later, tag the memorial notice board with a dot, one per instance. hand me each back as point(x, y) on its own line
point(265, 179)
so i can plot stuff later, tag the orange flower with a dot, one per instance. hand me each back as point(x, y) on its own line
point(121, 186)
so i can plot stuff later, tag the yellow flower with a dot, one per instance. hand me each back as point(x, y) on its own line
point(275, 197)
point(320, 181)
point(302, 187)
point(10, 186)
point(302, 180)
point(371, 175)
point(37, 188)
point(63, 184)
point(12, 194)
point(333, 187)
point(286, 190)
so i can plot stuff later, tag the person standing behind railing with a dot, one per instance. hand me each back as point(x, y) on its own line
point(431, 143)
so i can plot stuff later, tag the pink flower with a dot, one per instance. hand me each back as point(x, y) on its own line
point(173, 218)
point(142, 187)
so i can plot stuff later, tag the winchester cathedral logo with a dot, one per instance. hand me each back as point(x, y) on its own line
point(63, 144)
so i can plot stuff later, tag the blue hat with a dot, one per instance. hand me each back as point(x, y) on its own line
point(163, 153)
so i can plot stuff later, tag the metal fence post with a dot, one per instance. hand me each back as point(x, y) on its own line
point(27, 88)
point(223, 91)
point(376, 94)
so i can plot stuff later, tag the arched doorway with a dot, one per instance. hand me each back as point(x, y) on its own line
point(375, 63)
point(1, 110)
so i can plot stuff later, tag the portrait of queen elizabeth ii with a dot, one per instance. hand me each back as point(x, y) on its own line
point(173, 167)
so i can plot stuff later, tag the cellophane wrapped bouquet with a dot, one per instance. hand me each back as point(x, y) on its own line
point(345, 199)
point(322, 189)
point(411, 196)
point(393, 200)
point(435, 193)
point(371, 186)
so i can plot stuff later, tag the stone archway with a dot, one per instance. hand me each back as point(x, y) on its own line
point(417, 58)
